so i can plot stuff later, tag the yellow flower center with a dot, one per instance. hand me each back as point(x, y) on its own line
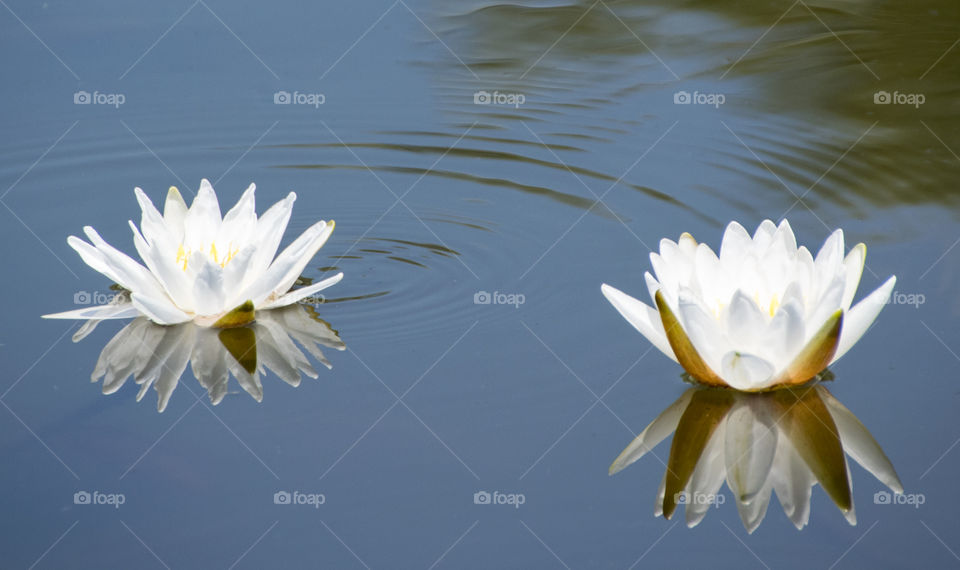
point(183, 255)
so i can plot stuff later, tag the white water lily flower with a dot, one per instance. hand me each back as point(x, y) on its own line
point(763, 314)
point(201, 267)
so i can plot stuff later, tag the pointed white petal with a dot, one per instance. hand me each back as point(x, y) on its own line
point(240, 223)
point(102, 312)
point(115, 264)
point(174, 213)
point(159, 310)
point(861, 316)
point(736, 242)
point(202, 222)
point(703, 331)
point(152, 224)
point(164, 267)
point(643, 317)
point(853, 267)
point(298, 294)
point(270, 228)
point(284, 270)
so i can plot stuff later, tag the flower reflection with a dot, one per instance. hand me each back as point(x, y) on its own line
point(158, 355)
point(785, 441)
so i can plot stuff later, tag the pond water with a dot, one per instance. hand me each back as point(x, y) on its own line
point(520, 154)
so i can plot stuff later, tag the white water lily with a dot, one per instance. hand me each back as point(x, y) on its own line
point(202, 267)
point(158, 356)
point(782, 442)
point(763, 314)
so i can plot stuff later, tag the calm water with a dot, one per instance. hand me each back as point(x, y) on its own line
point(437, 199)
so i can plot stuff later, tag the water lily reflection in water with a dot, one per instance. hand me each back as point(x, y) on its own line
point(784, 441)
point(158, 355)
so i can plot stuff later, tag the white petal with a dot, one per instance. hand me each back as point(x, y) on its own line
point(861, 316)
point(853, 267)
point(736, 242)
point(163, 266)
point(202, 222)
point(825, 306)
point(744, 323)
point(652, 286)
point(130, 274)
point(298, 294)
point(687, 244)
point(785, 334)
point(703, 331)
point(159, 310)
point(235, 273)
point(174, 213)
point(102, 312)
point(745, 371)
point(830, 256)
point(270, 228)
point(239, 224)
point(285, 269)
point(208, 296)
point(785, 238)
point(707, 279)
point(643, 317)
point(152, 224)
point(763, 236)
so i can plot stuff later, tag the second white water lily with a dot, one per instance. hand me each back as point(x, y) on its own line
point(203, 267)
point(763, 314)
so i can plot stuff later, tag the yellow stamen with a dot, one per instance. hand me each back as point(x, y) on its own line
point(182, 255)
